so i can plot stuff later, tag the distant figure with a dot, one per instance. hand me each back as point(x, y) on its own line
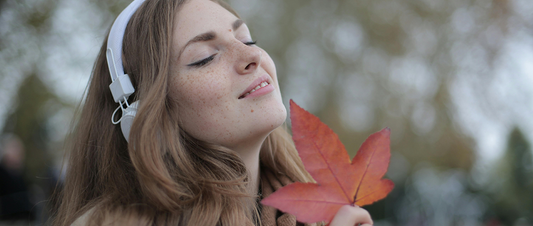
point(14, 198)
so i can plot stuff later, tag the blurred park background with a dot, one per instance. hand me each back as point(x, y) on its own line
point(453, 79)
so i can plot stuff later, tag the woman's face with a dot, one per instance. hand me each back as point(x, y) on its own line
point(215, 74)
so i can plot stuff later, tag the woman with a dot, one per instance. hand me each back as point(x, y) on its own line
point(206, 143)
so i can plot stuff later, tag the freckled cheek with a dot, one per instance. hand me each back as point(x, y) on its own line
point(210, 92)
point(202, 109)
point(203, 95)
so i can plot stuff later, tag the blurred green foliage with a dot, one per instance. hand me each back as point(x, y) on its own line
point(513, 197)
point(28, 122)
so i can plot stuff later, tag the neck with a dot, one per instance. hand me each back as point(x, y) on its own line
point(250, 157)
point(252, 166)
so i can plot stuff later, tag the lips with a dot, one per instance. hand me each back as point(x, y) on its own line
point(256, 85)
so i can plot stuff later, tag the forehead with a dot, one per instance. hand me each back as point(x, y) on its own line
point(200, 16)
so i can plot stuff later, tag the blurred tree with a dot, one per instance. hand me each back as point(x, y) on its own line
point(28, 120)
point(513, 197)
point(27, 102)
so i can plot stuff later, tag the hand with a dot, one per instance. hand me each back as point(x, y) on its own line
point(350, 216)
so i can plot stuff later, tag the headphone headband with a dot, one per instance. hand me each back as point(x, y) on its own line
point(121, 86)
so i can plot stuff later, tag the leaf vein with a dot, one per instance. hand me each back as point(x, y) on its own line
point(364, 174)
point(330, 170)
point(371, 193)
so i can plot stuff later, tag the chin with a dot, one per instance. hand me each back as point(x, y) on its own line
point(276, 118)
point(278, 121)
point(269, 120)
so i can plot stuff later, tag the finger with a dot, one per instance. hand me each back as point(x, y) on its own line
point(351, 215)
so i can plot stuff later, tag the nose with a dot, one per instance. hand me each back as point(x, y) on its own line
point(249, 59)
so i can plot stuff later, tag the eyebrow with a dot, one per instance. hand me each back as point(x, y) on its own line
point(237, 24)
point(210, 35)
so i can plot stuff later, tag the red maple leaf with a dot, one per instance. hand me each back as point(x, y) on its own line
point(339, 181)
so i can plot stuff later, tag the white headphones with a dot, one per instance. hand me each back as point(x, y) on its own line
point(121, 86)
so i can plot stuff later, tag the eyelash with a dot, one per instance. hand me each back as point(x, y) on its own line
point(202, 62)
point(250, 43)
point(210, 58)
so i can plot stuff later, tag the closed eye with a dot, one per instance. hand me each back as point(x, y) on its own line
point(205, 61)
point(202, 62)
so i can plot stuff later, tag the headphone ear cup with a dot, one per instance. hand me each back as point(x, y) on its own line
point(127, 119)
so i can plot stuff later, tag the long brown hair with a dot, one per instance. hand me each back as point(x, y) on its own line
point(163, 176)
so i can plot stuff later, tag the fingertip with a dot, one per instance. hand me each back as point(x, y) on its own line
point(347, 208)
point(350, 215)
